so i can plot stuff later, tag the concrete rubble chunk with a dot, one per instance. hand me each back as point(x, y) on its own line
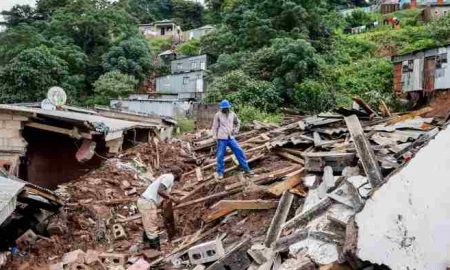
point(141, 264)
point(76, 256)
point(319, 251)
point(403, 225)
point(328, 178)
point(206, 252)
point(351, 171)
point(340, 214)
point(301, 263)
point(342, 195)
point(310, 181)
point(362, 185)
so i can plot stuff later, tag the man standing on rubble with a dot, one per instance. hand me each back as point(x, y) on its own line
point(225, 126)
point(151, 199)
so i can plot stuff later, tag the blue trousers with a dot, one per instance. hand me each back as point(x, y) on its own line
point(237, 151)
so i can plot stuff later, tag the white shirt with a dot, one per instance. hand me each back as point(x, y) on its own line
point(151, 193)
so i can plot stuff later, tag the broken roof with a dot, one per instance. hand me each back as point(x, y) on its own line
point(9, 189)
point(78, 118)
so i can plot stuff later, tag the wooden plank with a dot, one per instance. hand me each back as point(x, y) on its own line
point(365, 106)
point(199, 174)
point(364, 150)
point(309, 214)
point(293, 151)
point(69, 132)
point(207, 198)
point(226, 207)
point(263, 179)
point(291, 157)
point(274, 232)
point(292, 179)
point(385, 112)
point(410, 115)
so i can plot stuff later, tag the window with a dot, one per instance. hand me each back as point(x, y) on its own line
point(441, 61)
point(185, 80)
point(408, 66)
point(203, 65)
point(179, 66)
point(193, 65)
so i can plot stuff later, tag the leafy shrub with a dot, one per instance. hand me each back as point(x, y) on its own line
point(191, 48)
point(313, 96)
point(241, 89)
point(185, 125)
point(112, 85)
point(247, 114)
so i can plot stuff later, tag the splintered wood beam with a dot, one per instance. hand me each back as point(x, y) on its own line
point(364, 150)
point(365, 106)
point(292, 179)
point(265, 178)
point(207, 198)
point(279, 219)
point(198, 172)
point(291, 157)
point(74, 133)
point(226, 207)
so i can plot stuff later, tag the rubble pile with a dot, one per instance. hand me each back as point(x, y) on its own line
point(313, 175)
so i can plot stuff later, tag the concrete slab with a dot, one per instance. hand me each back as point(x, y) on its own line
point(405, 223)
point(318, 251)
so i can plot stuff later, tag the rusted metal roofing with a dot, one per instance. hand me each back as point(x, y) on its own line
point(114, 125)
point(9, 189)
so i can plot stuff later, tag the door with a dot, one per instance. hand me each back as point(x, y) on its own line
point(429, 73)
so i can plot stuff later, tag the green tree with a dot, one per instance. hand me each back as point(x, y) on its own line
point(18, 14)
point(131, 56)
point(112, 85)
point(190, 48)
point(30, 74)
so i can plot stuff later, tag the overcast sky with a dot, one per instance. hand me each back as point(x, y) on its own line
point(7, 4)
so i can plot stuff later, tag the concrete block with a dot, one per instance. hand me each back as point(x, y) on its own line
point(206, 252)
point(91, 256)
point(19, 118)
point(318, 251)
point(310, 181)
point(27, 239)
point(16, 142)
point(113, 259)
point(118, 232)
point(76, 256)
point(141, 264)
point(10, 133)
point(6, 116)
point(12, 124)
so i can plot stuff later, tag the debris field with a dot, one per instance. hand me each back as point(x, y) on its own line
point(312, 176)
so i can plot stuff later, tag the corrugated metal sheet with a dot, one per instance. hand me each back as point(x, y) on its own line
point(169, 108)
point(79, 118)
point(9, 189)
point(181, 83)
point(188, 64)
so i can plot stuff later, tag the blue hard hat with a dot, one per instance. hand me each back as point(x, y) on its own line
point(225, 104)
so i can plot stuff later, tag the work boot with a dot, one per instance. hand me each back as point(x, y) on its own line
point(220, 177)
point(152, 241)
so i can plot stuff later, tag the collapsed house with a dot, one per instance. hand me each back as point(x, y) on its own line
point(48, 148)
point(331, 191)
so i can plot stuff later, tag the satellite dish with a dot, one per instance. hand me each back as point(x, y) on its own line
point(57, 96)
point(47, 105)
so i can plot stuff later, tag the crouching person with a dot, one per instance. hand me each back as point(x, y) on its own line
point(151, 200)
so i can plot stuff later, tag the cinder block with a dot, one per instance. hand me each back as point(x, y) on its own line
point(79, 266)
point(206, 252)
point(10, 133)
point(119, 232)
point(113, 259)
point(141, 264)
point(12, 124)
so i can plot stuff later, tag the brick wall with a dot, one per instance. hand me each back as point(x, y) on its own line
point(11, 139)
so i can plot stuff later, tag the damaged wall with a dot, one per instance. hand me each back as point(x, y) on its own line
point(405, 224)
point(12, 145)
point(51, 159)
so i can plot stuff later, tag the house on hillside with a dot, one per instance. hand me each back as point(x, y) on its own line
point(389, 6)
point(422, 72)
point(164, 28)
point(198, 32)
point(434, 11)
